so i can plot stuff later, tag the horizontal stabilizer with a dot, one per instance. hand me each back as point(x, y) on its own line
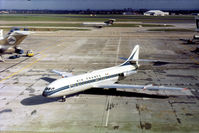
point(148, 60)
point(155, 62)
point(142, 60)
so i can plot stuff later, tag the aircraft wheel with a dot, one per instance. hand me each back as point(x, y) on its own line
point(63, 99)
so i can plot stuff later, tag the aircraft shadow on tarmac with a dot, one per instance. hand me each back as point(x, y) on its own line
point(161, 63)
point(114, 92)
point(39, 99)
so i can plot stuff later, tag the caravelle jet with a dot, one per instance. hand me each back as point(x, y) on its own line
point(10, 43)
point(99, 25)
point(103, 78)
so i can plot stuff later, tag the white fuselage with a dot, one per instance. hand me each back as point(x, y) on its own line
point(75, 84)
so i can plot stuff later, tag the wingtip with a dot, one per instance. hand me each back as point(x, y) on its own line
point(185, 88)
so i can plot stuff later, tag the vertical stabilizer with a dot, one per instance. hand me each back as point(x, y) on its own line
point(134, 57)
point(16, 37)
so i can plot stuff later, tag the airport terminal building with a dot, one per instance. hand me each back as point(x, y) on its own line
point(156, 13)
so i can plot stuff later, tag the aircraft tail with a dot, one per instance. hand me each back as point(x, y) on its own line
point(133, 58)
point(110, 21)
point(16, 37)
point(1, 34)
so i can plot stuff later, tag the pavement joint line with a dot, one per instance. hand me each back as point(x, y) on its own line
point(27, 66)
point(108, 112)
point(103, 115)
point(118, 49)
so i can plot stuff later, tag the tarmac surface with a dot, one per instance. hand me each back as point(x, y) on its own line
point(22, 81)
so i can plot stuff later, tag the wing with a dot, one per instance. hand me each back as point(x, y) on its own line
point(148, 87)
point(63, 74)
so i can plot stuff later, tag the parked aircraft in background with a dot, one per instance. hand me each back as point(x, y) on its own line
point(10, 43)
point(103, 78)
point(99, 25)
point(195, 39)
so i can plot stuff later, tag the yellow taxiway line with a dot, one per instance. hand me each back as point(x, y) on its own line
point(27, 66)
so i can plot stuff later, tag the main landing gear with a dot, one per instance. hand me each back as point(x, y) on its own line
point(63, 99)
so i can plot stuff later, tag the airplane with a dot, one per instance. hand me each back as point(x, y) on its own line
point(10, 43)
point(99, 25)
point(195, 39)
point(70, 84)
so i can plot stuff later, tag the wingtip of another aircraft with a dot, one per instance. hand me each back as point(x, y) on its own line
point(185, 88)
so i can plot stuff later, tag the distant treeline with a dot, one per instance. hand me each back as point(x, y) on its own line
point(129, 11)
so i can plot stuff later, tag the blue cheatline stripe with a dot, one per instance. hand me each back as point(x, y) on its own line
point(57, 90)
point(79, 84)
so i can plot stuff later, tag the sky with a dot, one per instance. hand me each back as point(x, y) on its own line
point(99, 4)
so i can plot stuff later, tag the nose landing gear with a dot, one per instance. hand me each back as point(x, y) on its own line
point(63, 99)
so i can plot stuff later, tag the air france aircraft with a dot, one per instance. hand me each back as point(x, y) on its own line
point(10, 43)
point(103, 78)
point(99, 25)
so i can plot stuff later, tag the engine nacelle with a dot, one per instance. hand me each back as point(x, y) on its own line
point(123, 75)
point(129, 73)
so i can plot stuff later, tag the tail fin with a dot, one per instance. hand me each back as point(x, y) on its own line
point(1, 34)
point(16, 37)
point(133, 58)
point(197, 23)
point(110, 21)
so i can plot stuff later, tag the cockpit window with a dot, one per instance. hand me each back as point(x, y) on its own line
point(49, 89)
